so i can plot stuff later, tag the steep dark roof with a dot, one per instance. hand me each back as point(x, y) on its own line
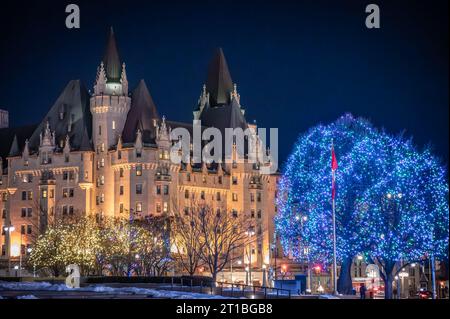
point(222, 117)
point(111, 59)
point(7, 136)
point(219, 84)
point(141, 115)
point(73, 104)
point(221, 112)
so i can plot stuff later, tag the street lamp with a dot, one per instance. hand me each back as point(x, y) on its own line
point(8, 230)
point(250, 233)
point(246, 275)
point(264, 275)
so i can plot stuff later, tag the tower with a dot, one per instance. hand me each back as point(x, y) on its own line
point(109, 106)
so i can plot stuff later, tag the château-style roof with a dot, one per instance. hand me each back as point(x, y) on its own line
point(111, 59)
point(222, 111)
point(69, 115)
point(219, 84)
point(141, 116)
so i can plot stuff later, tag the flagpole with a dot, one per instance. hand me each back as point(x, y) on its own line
point(334, 232)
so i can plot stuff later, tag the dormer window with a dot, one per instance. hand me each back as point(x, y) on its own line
point(61, 112)
point(138, 153)
point(113, 125)
point(46, 159)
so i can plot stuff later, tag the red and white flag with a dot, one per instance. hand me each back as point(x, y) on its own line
point(334, 166)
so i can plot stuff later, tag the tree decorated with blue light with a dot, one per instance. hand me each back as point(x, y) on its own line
point(408, 209)
point(372, 164)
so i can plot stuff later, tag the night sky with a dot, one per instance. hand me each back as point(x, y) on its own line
point(296, 63)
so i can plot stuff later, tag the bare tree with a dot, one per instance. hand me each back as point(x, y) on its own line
point(185, 235)
point(221, 233)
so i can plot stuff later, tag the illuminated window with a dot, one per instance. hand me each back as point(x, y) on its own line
point(121, 208)
point(158, 207)
point(166, 189)
point(165, 207)
point(102, 162)
point(235, 197)
point(44, 193)
point(139, 170)
point(139, 207)
point(113, 125)
point(102, 180)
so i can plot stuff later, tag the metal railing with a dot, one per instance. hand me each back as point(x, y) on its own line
point(232, 290)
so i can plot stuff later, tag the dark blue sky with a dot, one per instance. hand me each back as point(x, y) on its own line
point(296, 63)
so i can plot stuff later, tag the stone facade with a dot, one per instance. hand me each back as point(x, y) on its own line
point(107, 153)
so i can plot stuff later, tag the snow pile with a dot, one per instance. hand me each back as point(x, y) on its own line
point(328, 297)
point(36, 286)
point(27, 297)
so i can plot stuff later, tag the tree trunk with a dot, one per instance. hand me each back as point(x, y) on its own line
point(344, 282)
point(389, 268)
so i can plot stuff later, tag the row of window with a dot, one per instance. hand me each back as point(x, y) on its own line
point(204, 178)
point(24, 249)
point(67, 192)
point(24, 230)
point(139, 207)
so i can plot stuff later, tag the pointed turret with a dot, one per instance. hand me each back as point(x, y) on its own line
point(219, 84)
point(111, 59)
point(141, 116)
point(14, 150)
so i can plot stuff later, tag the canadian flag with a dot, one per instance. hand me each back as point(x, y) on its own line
point(334, 166)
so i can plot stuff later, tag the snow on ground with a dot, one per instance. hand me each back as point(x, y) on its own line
point(27, 297)
point(328, 297)
point(105, 289)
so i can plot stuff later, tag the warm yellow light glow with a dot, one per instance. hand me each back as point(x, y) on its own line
point(15, 250)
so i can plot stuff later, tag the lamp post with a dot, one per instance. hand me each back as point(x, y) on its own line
point(29, 250)
point(246, 275)
point(264, 275)
point(250, 233)
point(8, 230)
point(20, 255)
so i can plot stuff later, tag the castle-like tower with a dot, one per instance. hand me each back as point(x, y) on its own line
point(109, 106)
point(106, 153)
